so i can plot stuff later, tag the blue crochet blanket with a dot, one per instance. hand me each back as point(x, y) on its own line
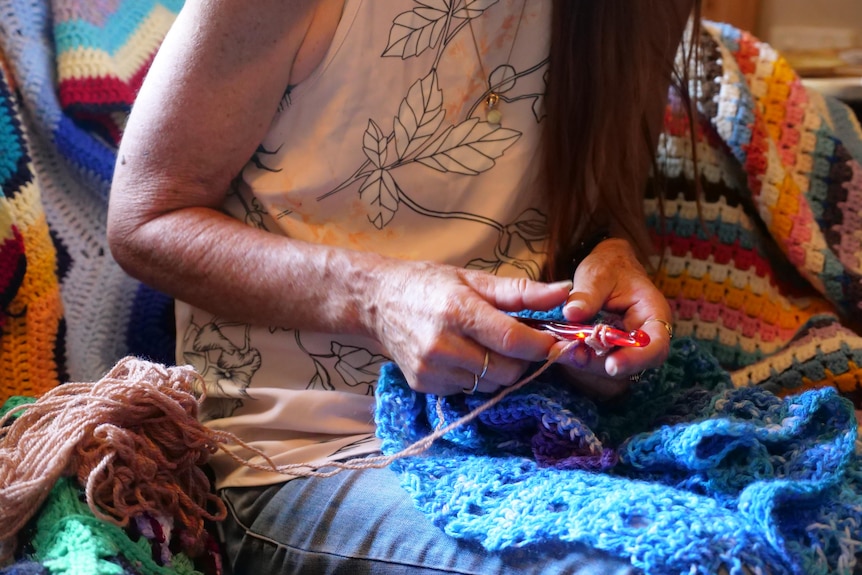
point(686, 474)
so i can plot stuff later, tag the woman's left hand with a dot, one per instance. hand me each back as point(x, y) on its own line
point(612, 279)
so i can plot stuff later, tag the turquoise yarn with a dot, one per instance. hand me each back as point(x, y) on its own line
point(687, 474)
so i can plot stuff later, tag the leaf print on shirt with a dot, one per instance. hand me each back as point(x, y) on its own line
point(368, 440)
point(419, 116)
point(379, 191)
point(357, 367)
point(253, 213)
point(467, 147)
point(530, 230)
point(418, 30)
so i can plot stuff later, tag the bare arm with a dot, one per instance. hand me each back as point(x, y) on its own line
point(206, 103)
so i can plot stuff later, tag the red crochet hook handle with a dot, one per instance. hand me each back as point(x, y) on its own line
point(576, 331)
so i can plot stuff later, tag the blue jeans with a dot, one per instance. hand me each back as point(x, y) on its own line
point(363, 522)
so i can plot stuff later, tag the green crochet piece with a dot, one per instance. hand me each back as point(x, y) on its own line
point(70, 540)
point(14, 402)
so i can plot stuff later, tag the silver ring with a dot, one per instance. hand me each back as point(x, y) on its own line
point(485, 364)
point(666, 325)
point(475, 386)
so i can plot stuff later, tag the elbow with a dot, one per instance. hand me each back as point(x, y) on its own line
point(122, 246)
point(124, 236)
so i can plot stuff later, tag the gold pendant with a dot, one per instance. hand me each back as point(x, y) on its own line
point(492, 114)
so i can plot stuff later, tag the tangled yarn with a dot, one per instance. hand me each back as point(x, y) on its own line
point(132, 439)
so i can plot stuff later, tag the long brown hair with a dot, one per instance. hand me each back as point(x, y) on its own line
point(611, 64)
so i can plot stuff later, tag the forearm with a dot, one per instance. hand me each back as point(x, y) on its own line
point(205, 258)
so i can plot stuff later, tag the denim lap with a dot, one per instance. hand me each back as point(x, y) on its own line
point(364, 522)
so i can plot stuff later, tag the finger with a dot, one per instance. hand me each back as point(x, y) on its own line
point(516, 294)
point(596, 279)
point(582, 359)
point(627, 361)
point(437, 365)
point(583, 304)
point(442, 371)
point(619, 363)
point(449, 381)
point(491, 368)
point(666, 331)
point(507, 337)
point(466, 382)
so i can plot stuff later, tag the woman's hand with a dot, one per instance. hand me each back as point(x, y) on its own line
point(437, 322)
point(612, 279)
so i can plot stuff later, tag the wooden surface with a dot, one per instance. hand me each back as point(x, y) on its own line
point(740, 13)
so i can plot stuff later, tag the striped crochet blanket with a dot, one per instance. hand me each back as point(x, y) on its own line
point(69, 71)
point(765, 273)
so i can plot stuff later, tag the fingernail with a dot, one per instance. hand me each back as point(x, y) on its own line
point(565, 284)
point(574, 305)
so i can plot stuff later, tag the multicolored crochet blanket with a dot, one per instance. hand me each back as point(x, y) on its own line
point(69, 71)
point(686, 474)
point(66, 537)
point(765, 271)
point(741, 453)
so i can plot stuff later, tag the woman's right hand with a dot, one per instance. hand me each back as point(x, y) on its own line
point(438, 321)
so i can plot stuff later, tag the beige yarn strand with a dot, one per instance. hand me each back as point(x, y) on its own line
point(380, 461)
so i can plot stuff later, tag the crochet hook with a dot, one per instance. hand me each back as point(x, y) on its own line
point(578, 332)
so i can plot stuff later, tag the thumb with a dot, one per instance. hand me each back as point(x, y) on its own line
point(587, 297)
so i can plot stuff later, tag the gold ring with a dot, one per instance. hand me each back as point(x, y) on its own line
point(475, 386)
point(485, 364)
point(666, 325)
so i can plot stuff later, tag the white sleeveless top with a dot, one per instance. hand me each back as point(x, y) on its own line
point(384, 148)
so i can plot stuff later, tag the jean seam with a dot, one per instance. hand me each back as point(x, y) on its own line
point(259, 537)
